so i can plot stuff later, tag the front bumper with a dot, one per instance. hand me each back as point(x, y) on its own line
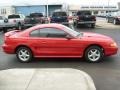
point(111, 51)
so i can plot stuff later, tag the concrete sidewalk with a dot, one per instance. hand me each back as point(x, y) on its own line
point(45, 79)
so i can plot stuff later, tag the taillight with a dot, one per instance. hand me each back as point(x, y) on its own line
point(70, 17)
point(49, 19)
point(94, 18)
point(77, 17)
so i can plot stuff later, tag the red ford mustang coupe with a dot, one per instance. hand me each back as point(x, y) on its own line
point(55, 40)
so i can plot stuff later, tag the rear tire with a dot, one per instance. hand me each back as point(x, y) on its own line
point(93, 54)
point(24, 54)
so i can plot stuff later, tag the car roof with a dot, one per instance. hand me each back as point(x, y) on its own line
point(54, 25)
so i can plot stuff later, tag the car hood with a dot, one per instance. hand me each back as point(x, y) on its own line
point(96, 36)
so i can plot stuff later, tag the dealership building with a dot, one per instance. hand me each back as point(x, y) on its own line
point(26, 9)
point(119, 5)
point(96, 10)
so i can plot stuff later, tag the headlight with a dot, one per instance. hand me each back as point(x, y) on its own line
point(113, 44)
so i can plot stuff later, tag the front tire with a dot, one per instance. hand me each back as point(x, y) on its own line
point(24, 54)
point(93, 54)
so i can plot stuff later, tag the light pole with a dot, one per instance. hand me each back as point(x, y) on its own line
point(108, 5)
point(47, 8)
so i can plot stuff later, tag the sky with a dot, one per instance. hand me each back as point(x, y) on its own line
point(75, 2)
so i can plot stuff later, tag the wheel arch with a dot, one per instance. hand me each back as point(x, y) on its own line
point(94, 45)
point(22, 46)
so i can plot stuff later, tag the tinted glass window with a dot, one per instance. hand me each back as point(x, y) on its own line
point(84, 13)
point(36, 15)
point(59, 14)
point(35, 33)
point(13, 16)
point(52, 32)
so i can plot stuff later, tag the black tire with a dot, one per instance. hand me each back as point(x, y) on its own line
point(19, 26)
point(92, 25)
point(29, 52)
point(99, 53)
point(4, 30)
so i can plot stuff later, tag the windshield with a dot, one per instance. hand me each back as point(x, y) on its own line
point(36, 15)
point(84, 13)
point(59, 14)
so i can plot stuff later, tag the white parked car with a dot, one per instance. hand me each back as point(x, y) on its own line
point(4, 24)
point(16, 20)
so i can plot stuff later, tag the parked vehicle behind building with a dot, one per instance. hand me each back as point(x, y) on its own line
point(60, 17)
point(84, 18)
point(33, 19)
point(16, 20)
point(114, 18)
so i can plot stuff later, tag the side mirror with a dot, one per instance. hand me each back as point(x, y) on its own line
point(68, 37)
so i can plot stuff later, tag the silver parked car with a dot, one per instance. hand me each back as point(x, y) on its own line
point(16, 20)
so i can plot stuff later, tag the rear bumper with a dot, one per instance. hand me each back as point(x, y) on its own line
point(64, 23)
point(29, 25)
point(8, 49)
point(8, 25)
point(86, 22)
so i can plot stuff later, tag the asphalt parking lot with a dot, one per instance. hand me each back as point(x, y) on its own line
point(106, 74)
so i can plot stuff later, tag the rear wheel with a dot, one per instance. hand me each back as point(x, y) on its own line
point(24, 54)
point(93, 54)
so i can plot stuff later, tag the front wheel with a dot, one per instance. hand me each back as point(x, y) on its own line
point(93, 54)
point(24, 54)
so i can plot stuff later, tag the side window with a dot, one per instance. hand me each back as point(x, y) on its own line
point(52, 32)
point(35, 33)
